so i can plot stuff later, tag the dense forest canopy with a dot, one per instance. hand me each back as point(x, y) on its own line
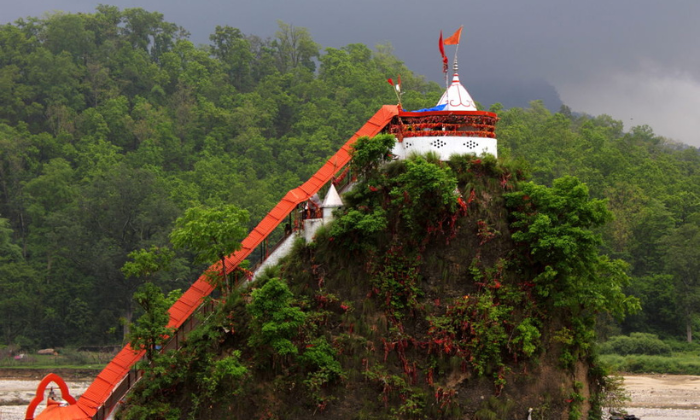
point(112, 124)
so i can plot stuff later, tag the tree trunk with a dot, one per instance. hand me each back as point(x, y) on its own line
point(224, 278)
point(128, 314)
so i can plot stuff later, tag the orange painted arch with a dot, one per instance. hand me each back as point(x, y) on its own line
point(39, 397)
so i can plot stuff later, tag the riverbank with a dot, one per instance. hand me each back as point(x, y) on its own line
point(37, 374)
point(653, 397)
point(660, 397)
point(664, 391)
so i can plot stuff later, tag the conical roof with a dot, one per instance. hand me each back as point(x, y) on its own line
point(456, 97)
point(332, 198)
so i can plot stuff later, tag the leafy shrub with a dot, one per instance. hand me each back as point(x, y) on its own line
point(321, 358)
point(682, 346)
point(424, 192)
point(276, 321)
point(368, 153)
point(653, 364)
point(494, 408)
point(224, 371)
point(635, 343)
point(356, 228)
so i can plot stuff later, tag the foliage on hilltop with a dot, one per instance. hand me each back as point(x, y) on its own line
point(442, 290)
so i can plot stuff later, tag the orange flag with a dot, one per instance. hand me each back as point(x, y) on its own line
point(454, 39)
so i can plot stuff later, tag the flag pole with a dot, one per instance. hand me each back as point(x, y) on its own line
point(454, 40)
point(447, 80)
point(455, 68)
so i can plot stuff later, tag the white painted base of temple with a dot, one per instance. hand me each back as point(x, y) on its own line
point(310, 228)
point(445, 146)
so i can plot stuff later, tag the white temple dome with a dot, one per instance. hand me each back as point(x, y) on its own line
point(456, 97)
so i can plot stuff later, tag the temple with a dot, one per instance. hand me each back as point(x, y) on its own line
point(453, 126)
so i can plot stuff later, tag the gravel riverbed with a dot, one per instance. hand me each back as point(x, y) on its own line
point(657, 397)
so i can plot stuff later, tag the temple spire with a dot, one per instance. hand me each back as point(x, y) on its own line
point(456, 97)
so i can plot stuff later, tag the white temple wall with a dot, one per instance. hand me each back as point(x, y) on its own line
point(446, 146)
point(310, 228)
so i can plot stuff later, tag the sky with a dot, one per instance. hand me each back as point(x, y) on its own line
point(635, 60)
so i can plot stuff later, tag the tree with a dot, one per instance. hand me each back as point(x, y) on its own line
point(682, 252)
point(556, 225)
point(19, 293)
point(148, 31)
point(122, 210)
point(17, 166)
point(211, 234)
point(67, 32)
point(151, 331)
point(233, 49)
point(277, 321)
point(143, 267)
point(295, 48)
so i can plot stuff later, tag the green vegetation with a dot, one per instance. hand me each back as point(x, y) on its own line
point(650, 185)
point(636, 343)
point(679, 364)
point(65, 358)
point(363, 322)
point(113, 124)
point(151, 332)
point(646, 353)
point(211, 234)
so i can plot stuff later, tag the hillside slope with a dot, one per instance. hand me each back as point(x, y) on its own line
point(442, 290)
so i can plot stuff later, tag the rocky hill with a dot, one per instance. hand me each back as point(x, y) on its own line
point(442, 290)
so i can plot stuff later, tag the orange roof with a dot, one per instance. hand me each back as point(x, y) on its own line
point(56, 412)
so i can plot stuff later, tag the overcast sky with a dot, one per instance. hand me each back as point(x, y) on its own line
point(636, 60)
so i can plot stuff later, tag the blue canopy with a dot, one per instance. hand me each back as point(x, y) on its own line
point(435, 108)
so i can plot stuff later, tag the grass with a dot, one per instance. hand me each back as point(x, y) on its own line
point(647, 353)
point(676, 364)
point(67, 359)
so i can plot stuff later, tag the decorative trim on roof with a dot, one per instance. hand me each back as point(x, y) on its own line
point(456, 97)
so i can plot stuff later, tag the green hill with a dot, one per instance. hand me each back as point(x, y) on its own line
point(442, 289)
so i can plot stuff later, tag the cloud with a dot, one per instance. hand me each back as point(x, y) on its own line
point(664, 98)
point(590, 51)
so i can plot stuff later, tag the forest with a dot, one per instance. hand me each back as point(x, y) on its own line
point(113, 124)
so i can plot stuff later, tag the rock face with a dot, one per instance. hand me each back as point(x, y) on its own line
point(442, 290)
